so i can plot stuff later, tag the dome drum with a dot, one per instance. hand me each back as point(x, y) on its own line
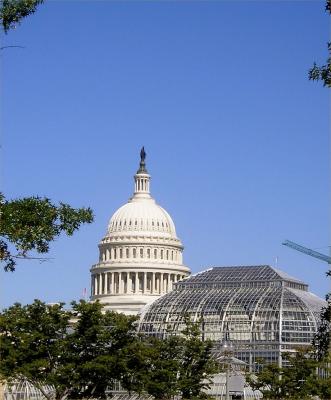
point(140, 252)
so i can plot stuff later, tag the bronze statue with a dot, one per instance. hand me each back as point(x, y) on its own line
point(142, 154)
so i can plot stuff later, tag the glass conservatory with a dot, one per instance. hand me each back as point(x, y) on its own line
point(260, 310)
point(24, 390)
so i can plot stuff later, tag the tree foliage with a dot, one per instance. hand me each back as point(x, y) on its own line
point(323, 72)
point(299, 379)
point(31, 223)
point(74, 351)
point(321, 341)
point(177, 365)
point(82, 352)
point(13, 11)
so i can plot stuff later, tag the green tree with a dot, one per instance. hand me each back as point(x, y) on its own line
point(323, 72)
point(31, 223)
point(321, 341)
point(13, 11)
point(299, 379)
point(32, 340)
point(197, 364)
point(173, 366)
point(76, 352)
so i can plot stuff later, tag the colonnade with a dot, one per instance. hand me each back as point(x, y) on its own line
point(133, 282)
point(147, 253)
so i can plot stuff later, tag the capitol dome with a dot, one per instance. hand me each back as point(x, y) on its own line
point(140, 257)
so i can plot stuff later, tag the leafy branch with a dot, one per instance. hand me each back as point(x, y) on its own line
point(31, 223)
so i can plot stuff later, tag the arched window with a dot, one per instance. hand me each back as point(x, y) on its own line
point(127, 253)
point(155, 253)
point(161, 254)
point(115, 253)
point(172, 255)
point(141, 253)
point(167, 254)
point(121, 253)
point(134, 253)
point(148, 253)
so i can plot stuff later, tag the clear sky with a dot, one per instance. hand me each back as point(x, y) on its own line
point(237, 138)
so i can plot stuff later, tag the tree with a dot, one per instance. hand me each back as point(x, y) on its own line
point(32, 339)
point(321, 341)
point(323, 72)
point(299, 379)
point(197, 364)
point(172, 366)
point(13, 11)
point(75, 351)
point(31, 223)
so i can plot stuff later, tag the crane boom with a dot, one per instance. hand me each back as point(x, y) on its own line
point(305, 250)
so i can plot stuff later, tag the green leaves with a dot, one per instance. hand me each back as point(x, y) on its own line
point(321, 341)
point(76, 351)
point(13, 11)
point(299, 379)
point(32, 223)
point(30, 340)
point(177, 365)
point(323, 73)
point(82, 352)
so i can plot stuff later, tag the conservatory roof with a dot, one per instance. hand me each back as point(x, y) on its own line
point(242, 274)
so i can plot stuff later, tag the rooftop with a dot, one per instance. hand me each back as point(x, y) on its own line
point(243, 275)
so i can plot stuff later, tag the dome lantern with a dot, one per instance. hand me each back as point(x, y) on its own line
point(142, 178)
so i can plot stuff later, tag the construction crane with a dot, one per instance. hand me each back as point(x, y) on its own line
point(305, 250)
point(315, 254)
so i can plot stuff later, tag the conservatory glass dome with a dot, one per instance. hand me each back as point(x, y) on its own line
point(260, 310)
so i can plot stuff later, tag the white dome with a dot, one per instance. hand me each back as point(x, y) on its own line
point(140, 257)
point(142, 216)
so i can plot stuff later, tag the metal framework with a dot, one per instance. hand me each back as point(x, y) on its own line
point(309, 252)
point(262, 311)
point(24, 390)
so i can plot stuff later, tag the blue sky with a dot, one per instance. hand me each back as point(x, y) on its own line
point(237, 138)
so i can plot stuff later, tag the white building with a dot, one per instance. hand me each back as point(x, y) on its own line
point(140, 255)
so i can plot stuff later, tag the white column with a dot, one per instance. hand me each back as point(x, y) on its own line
point(120, 277)
point(161, 283)
point(113, 283)
point(145, 283)
point(99, 283)
point(136, 289)
point(153, 283)
point(168, 283)
point(110, 282)
point(106, 283)
point(128, 283)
